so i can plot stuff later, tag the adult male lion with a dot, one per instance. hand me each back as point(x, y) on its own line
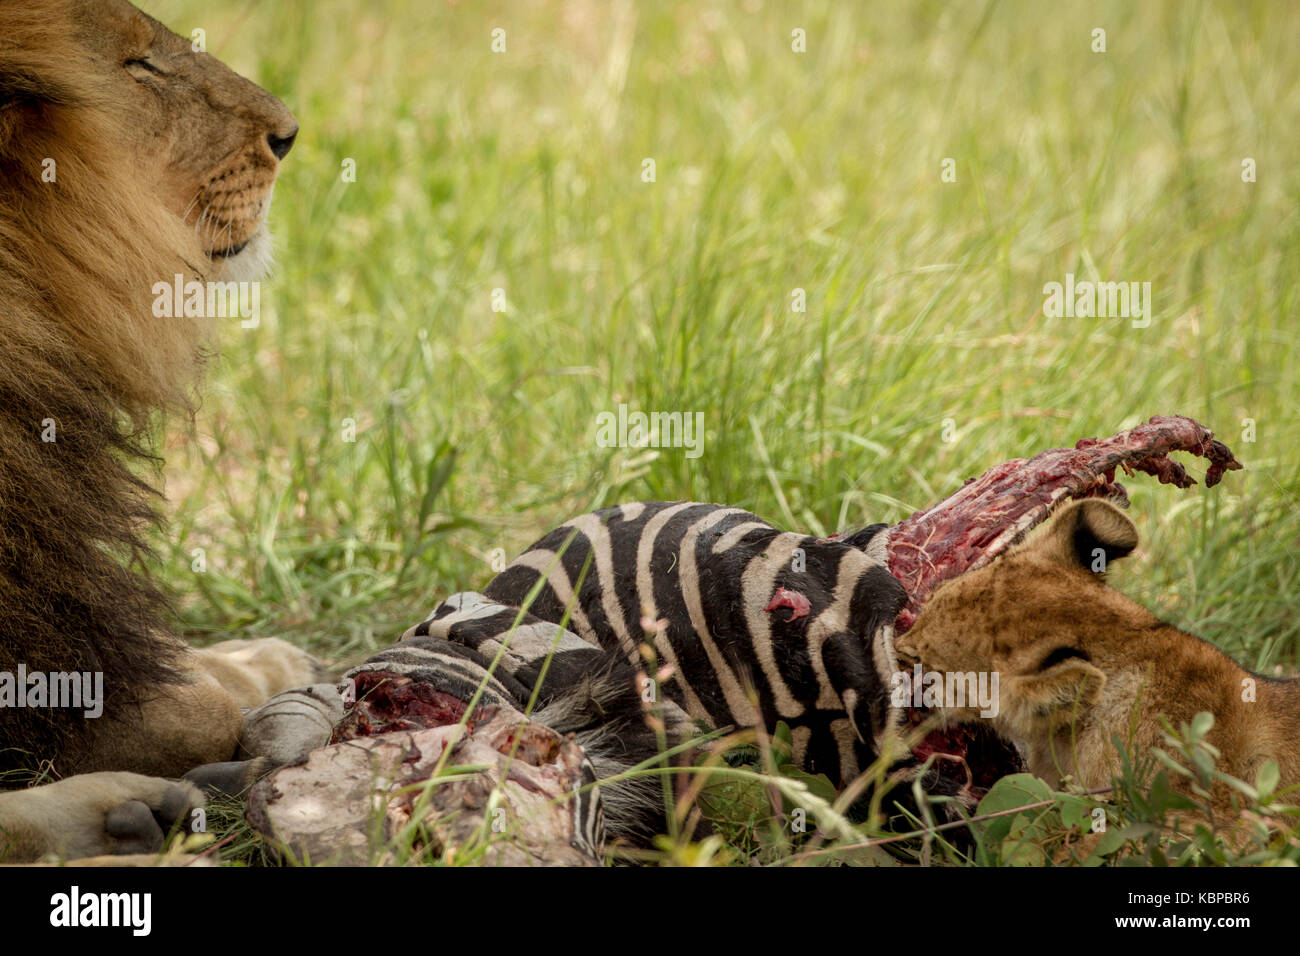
point(126, 159)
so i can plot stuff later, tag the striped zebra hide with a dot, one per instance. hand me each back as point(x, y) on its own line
point(754, 624)
point(750, 625)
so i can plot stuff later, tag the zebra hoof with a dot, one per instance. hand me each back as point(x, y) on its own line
point(291, 724)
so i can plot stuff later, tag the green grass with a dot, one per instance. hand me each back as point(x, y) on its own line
point(475, 429)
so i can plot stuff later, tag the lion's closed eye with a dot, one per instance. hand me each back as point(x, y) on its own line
point(142, 67)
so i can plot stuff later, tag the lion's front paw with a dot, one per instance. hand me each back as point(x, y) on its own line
point(94, 814)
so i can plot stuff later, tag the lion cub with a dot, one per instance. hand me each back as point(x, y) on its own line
point(1078, 662)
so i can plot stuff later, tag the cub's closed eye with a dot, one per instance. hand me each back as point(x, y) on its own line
point(1063, 654)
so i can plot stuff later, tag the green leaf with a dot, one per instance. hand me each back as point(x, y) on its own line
point(1266, 780)
point(1170, 762)
point(1017, 790)
point(1240, 786)
point(1076, 812)
point(1204, 763)
point(1023, 846)
point(819, 785)
point(781, 743)
point(1110, 841)
point(1135, 831)
point(1163, 798)
point(1201, 725)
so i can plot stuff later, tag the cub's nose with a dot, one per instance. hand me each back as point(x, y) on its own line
point(280, 145)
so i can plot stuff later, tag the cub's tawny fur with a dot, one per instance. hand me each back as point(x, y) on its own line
point(1078, 662)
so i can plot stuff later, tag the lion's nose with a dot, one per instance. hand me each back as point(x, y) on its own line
point(280, 145)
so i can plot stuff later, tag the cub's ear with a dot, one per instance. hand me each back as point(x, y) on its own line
point(1087, 534)
point(1059, 692)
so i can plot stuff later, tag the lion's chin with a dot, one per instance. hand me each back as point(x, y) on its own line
point(250, 262)
point(251, 259)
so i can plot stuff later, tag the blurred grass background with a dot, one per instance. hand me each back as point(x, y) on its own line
point(775, 171)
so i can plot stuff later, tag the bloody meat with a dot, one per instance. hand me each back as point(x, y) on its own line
point(987, 515)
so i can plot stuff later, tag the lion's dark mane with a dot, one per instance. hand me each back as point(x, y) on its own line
point(79, 348)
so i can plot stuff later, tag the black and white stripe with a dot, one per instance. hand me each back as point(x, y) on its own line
point(710, 572)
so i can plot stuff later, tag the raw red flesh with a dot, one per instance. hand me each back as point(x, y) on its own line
point(971, 756)
point(388, 701)
point(989, 514)
point(798, 604)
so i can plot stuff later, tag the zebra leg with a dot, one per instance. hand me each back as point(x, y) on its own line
point(578, 689)
point(414, 712)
